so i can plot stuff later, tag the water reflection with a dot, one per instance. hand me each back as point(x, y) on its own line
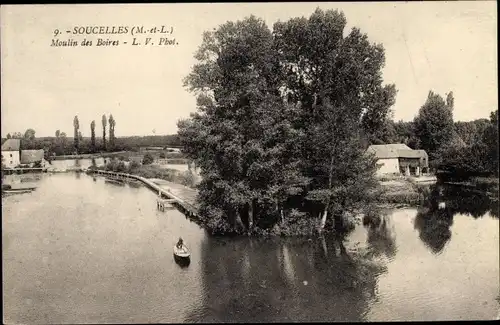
point(434, 227)
point(107, 250)
point(285, 280)
point(466, 201)
point(381, 235)
point(71, 163)
point(77, 251)
point(435, 218)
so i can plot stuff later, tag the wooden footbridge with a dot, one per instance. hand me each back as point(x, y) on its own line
point(182, 197)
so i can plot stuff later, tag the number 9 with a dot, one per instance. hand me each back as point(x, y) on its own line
point(56, 32)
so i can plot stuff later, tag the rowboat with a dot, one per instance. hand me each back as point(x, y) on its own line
point(18, 191)
point(17, 188)
point(181, 253)
point(182, 256)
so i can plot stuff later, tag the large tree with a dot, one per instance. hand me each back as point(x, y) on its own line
point(29, 134)
point(434, 124)
point(278, 114)
point(76, 138)
point(104, 131)
point(337, 81)
point(112, 124)
point(58, 147)
point(233, 78)
point(490, 140)
point(92, 135)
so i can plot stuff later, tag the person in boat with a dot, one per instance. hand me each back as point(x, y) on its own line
point(180, 243)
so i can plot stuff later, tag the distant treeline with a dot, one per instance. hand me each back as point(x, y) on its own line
point(64, 145)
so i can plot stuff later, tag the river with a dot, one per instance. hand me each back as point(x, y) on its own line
point(79, 250)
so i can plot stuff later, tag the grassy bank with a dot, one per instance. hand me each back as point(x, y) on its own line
point(89, 155)
point(403, 191)
point(173, 157)
point(185, 178)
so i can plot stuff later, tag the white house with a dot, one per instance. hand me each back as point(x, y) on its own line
point(11, 153)
point(398, 158)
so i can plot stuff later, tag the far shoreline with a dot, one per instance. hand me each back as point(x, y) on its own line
point(87, 155)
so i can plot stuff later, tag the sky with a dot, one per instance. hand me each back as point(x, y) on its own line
point(439, 46)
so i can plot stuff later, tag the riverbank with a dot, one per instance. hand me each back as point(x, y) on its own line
point(185, 178)
point(186, 183)
point(404, 191)
point(125, 155)
point(396, 194)
point(89, 155)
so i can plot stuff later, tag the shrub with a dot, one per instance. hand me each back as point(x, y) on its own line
point(148, 159)
point(133, 165)
point(187, 179)
point(120, 167)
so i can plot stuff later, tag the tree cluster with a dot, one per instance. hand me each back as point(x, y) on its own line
point(61, 144)
point(462, 149)
point(477, 155)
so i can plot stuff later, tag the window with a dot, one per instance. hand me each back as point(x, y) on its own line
point(10, 155)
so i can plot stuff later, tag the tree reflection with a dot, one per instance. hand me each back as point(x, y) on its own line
point(434, 227)
point(494, 210)
point(466, 201)
point(381, 235)
point(285, 280)
point(434, 222)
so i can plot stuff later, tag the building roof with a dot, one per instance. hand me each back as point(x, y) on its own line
point(31, 156)
point(11, 145)
point(395, 150)
point(423, 153)
point(404, 153)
